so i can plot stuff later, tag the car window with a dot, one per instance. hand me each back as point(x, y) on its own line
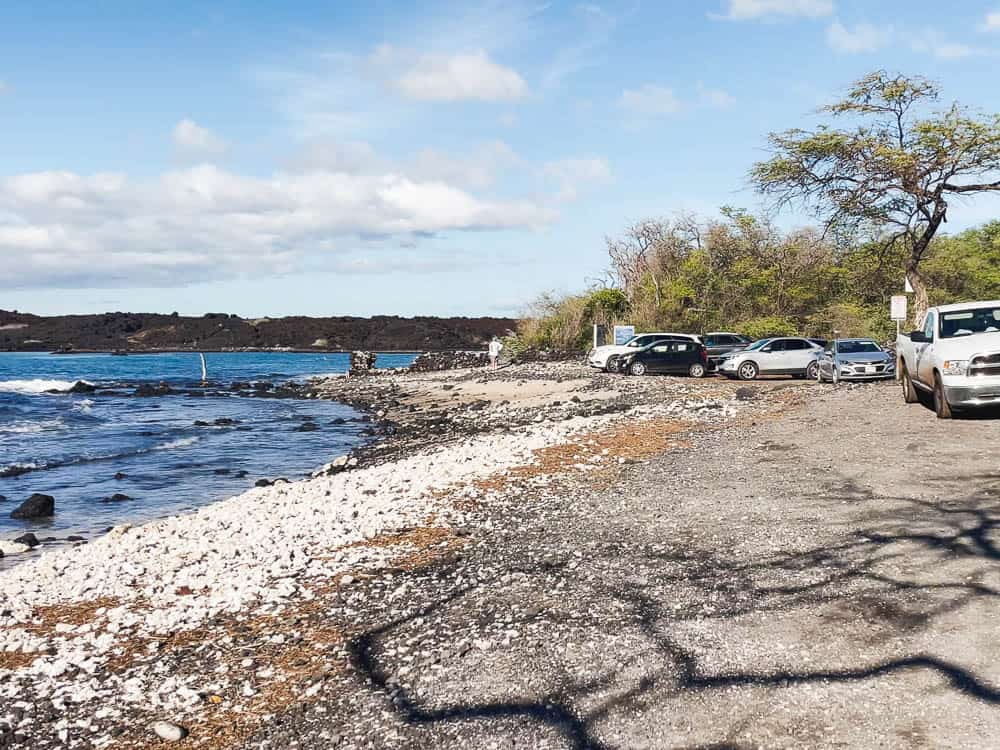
point(684, 346)
point(859, 347)
point(778, 345)
point(829, 348)
point(796, 344)
point(714, 340)
point(929, 325)
point(661, 348)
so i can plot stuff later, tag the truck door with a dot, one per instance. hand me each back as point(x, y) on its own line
point(921, 352)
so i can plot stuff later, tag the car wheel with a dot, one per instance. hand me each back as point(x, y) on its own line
point(941, 406)
point(812, 371)
point(637, 368)
point(910, 395)
point(748, 371)
point(697, 370)
point(613, 364)
point(835, 375)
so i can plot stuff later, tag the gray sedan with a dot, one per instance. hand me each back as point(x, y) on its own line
point(854, 359)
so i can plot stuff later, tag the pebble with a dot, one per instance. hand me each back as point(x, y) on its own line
point(171, 732)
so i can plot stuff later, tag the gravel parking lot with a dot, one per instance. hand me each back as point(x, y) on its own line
point(823, 576)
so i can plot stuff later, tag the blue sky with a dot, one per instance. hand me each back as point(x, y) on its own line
point(448, 158)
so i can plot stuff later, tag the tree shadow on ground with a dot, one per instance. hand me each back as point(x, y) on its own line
point(856, 571)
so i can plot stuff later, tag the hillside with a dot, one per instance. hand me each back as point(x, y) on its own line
point(217, 331)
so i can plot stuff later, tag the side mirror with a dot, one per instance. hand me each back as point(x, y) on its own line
point(919, 337)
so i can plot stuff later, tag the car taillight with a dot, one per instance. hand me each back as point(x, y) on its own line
point(704, 354)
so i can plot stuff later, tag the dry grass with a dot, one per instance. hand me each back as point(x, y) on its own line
point(628, 441)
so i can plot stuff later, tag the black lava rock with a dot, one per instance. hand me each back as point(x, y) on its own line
point(30, 539)
point(307, 427)
point(262, 483)
point(75, 538)
point(120, 476)
point(118, 497)
point(81, 387)
point(221, 472)
point(36, 506)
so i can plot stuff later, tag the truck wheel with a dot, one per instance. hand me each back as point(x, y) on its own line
point(941, 406)
point(748, 371)
point(910, 395)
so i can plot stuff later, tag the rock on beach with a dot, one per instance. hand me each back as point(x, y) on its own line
point(36, 506)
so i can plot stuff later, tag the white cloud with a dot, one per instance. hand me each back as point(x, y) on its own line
point(447, 78)
point(199, 223)
point(576, 174)
point(746, 10)
point(651, 100)
point(991, 22)
point(717, 98)
point(862, 38)
point(930, 42)
point(192, 139)
point(477, 169)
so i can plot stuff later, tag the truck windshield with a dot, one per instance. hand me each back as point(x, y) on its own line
point(968, 322)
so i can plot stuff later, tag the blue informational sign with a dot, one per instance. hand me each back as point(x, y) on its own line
point(623, 334)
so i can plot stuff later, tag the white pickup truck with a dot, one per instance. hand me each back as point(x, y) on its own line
point(954, 357)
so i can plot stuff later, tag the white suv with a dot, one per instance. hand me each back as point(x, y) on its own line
point(779, 356)
point(602, 356)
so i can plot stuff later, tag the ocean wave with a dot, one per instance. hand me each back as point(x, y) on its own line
point(13, 470)
point(37, 385)
point(27, 426)
point(84, 407)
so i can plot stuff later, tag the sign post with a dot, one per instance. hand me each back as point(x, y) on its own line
point(897, 310)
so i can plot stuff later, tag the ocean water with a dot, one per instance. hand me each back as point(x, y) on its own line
point(75, 444)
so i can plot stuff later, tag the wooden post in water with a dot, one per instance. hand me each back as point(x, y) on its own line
point(204, 368)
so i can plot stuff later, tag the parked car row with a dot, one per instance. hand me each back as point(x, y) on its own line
point(736, 356)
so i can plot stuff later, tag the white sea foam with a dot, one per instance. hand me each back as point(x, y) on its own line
point(179, 443)
point(36, 386)
point(84, 407)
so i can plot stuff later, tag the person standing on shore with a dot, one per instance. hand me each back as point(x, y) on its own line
point(495, 348)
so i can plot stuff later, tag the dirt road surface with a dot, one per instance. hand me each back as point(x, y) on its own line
point(826, 576)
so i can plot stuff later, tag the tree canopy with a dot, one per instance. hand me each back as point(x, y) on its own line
point(890, 171)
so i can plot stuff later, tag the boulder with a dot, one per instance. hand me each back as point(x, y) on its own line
point(120, 475)
point(307, 427)
point(82, 387)
point(36, 506)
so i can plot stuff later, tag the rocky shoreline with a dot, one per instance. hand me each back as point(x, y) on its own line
point(219, 621)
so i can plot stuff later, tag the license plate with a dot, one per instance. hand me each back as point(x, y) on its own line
point(869, 370)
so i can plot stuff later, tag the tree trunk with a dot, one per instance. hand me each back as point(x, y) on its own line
point(920, 299)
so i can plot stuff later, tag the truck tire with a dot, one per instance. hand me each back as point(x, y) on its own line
point(941, 406)
point(910, 395)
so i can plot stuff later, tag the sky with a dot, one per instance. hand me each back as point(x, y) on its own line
point(410, 158)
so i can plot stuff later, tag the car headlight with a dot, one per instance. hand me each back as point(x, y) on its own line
point(955, 366)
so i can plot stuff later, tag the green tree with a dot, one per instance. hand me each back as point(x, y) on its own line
point(891, 171)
